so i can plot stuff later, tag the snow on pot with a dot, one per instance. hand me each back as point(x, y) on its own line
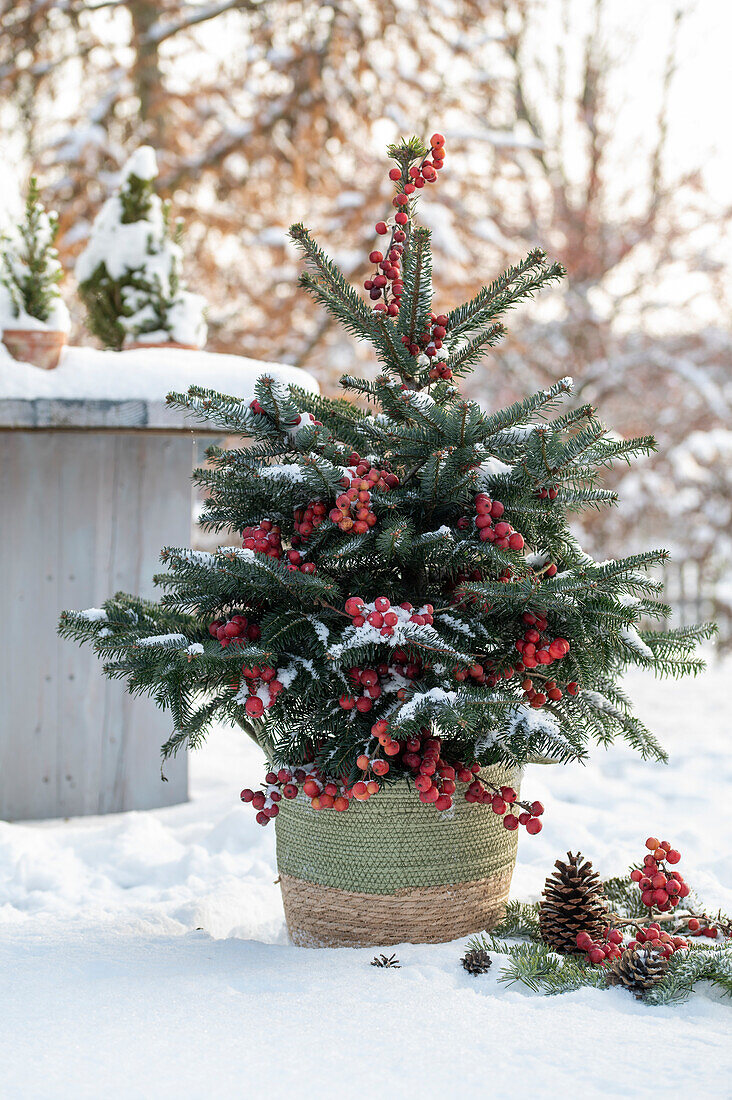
point(392, 870)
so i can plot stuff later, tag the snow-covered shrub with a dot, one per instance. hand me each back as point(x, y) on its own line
point(30, 271)
point(130, 271)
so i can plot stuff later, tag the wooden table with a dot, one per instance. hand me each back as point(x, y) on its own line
point(90, 491)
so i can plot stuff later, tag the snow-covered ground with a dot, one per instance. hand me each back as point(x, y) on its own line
point(144, 954)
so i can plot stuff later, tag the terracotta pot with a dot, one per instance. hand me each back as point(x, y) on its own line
point(163, 344)
point(40, 347)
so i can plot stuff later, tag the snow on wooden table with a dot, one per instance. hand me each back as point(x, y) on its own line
point(94, 481)
point(127, 389)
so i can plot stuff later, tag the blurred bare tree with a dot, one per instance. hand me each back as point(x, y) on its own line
point(642, 321)
point(263, 112)
point(269, 111)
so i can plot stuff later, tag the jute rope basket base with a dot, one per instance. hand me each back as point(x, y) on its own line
point(393, 870)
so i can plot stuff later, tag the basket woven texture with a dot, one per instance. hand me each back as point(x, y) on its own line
point(393, 870)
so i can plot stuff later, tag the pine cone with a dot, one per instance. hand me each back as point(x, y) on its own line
point(386, 961)
point(476, 962)
point(573, 902)
point(637, 970)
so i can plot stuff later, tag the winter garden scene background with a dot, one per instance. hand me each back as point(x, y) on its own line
point(422, 585)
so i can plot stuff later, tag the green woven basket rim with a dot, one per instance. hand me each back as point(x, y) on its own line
point(394, 842)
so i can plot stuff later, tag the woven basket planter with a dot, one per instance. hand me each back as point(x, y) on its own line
point(393, 870)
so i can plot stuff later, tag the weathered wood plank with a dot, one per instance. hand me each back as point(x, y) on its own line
point(66, 413)
point(82, 515)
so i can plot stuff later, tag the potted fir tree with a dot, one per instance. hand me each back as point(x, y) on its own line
point(33, 316)
point(129, 274)
point(409, 620)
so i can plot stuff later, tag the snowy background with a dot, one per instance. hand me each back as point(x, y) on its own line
point(145, 954)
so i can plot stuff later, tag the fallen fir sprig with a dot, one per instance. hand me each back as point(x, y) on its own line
point(530, 962)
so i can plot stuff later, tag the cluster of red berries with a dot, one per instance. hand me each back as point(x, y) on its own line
point(654, 936)
point(352, 511)
point(385, 616)
point(264, 687)
point(660, 888)
point(477, 673)
point(385, 286)
point(535, 647)
point(324, 793)
point(267, 539)
point(429, 343)
point(306, 520)
point(435, 778)
point(504, 802)
point(264, 539)
point(549, 492)
point(550, 690)
point(538, 649)
point(435, 781)
point(500, 533)
point(286, 783)
point(612, 946)
point(237, 630)
point(440, 372)
point(601, 951)
point(703, 927)
point(372, 682)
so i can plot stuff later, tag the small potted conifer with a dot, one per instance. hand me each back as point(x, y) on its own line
point(405, 619)
point(130, 275)
point(33, 316)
